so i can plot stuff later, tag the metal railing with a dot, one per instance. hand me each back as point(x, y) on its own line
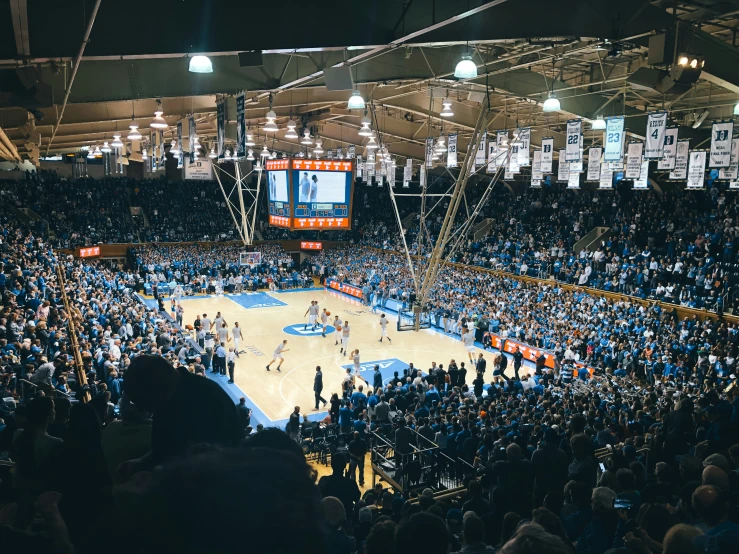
point(72, 328)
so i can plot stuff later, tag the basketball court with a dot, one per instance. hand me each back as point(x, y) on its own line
point(269, 318)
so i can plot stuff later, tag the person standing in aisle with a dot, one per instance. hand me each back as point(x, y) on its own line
point(231, 360)
point(318, 388)
point(236, 334)
point(383, 327)
point(221, 359)
point(277, 355)
point(345, 330)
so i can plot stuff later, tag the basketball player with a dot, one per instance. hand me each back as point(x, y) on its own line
point(468, 338)
point(223, 333)
point(355, 358)
point(278, 354)
point(236, 334)
point(383, 326)
point(324, 322)
point(312, 314)
point(218, 321)
point(337, 326)
point(345, 329)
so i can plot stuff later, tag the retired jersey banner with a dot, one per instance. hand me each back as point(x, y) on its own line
point(681, 160)
point(594, 155)
point(179, 140)
point(731, 173)
point(501, 149)
point(451, 155)
point(574, 139)
point(352, 152)
point(606, 177)
point(614, 140)
point(643, 180)
point(633, 163)
point(563, 169)
point(573, 182)
point(656, 127)
point(422, 176)
point(482, 150)
point(721, 134)
point(221, 130)
point(492, 164)
point(240, 126)
point(734, 185)
point(360, 165)
point(508, 175)
point(429, 152)
point(536, 174)
point(524, 146)
point(547, 154)
point(407, 172)
point(191, 129)
point(697, 169)
point(513, 159)
point(667, 161)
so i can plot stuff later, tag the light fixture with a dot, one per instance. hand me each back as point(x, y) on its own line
point(441, 144)
point(365, 131)
point(683, 60)
point(273, 155)
point(271, 126)
point(306, 137)
point(97, 150)
point(371, 145)
point(249, 139)
point(158, 122)
point(250, 155)
point(200, 64)
point(356, 102)
point(173, 148)
point(318, 150)
point(435, 155)
point(258, 166)
point(106, 148)
point(598, 124)
point(291, 134)
point(117, 143)
point(551, 104)
point(144, 155)
point(265, 152)
point(90, 154)
point(134, 133)
point(212, 153)
point(466, 68)
point(446, 110)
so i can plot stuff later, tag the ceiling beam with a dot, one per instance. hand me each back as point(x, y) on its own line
point(19, 14)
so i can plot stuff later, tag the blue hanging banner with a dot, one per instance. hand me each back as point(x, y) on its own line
point(614, 141)
point(240, 126)
point(221, 123)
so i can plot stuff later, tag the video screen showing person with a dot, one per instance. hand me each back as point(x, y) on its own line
point(277, 182)
point(322, 186)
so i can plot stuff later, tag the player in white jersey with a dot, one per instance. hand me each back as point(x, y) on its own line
point(468, 338)
point(278, 355)
point(223, 333)
point(345, 338)
point(383, 327)
point(337, 326)
point(324, 322)
point(355, 358)
point(312, 314)
point(236, 334)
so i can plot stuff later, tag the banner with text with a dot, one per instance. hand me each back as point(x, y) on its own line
point(697, 169)
point(451, 155)
point(731, 173)
point(656, 126)
point(633, 162)
point(547, 154)
point(614, 140)
point(524, 146)
point(574, 139)
point(721, 134)
point(682, 153)
point(667, 161)
point(240, 126)
point(594, 155)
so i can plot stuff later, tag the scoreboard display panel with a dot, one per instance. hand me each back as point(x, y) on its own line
point(278, 192)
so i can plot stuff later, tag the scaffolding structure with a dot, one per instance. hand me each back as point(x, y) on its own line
point(242, 199)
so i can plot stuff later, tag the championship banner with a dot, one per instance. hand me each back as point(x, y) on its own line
point(681, 160)
point(535, 184)
point(547, 154)
point(221, 129)
point(734, 185)
point(179, 141)
point(574, 138)
point(508, 175)
point(614, 143)
point(482, 150)
point(667, 161)
point(606, 177)
point(240, 126)
point(524, 146)
point(367, 174)
point(451, 155)
point(536, 174)
point(429, 152)
point(492, 157)
point(594, 155)
point(697, 169)
point(352, 152)
point(407, 173)
point(563, 169)
point(391, 174)
point(339, 153)
point(513, 160)
point(643, 180)
point(633, 163)
point(576, 166)
point(731, 173)
point(501, 149)
point(656, 127)
point(574, 180)
point(422, 176)
point(721, 144)
point(192, 132)
point(616, 166)
point(360, 166)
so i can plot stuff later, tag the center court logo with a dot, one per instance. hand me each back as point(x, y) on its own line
point(300, 330)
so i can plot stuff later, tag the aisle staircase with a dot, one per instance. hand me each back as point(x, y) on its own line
point(591, 241)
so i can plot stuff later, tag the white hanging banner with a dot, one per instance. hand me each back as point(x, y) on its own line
point(697, 169)
point(573, 182)
point(574, 138)
point(731, 173)
point(633, 163)
point(352, 152)
point(508, 174)
point(429, 152)
point(667, 161)
point(656, 126)
point(681, 160)
point(643, 180)
point(606, 177)
point(535, 184)
point(734, 185)
point(482, 150)
point(492, 157)
point(547, 154)
point(576, 166)
point(524, 146)
point(616, 166)
point(536, 174)
point(422, 177)
point(594, 155)
point(501, 149)
point(614, 141)
point(721, 133)
point(563, 169)
point(360, 166)
point(451, 155)
point(407, 171)
point(513, 160)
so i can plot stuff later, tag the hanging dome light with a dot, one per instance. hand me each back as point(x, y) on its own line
point(144, 155)
point(90, 154)
point(598, 124)
point(301, 154)
point(265, 152)
point(258, 165)
point(250, 155)
point(446, 110)
point(271, 126)
point(435, 155)
point(158, 122)
point(134, 133)
point(97, 150)
point(371, 145)
point(173, 148)
point(466, 68)
point(306, 137)
point(249, 139)
point(212, 153)
point(356, 102)
point(106, 148)
point(196, 142)
point(441, 144)
point(117, 143)
point(200, 64)
point(365, 131)
point(551, 104)
point(273, 155)
point(318, 150)
point(291, 125)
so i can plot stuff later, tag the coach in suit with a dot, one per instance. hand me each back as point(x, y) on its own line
point(318, 387)
point(377, 380)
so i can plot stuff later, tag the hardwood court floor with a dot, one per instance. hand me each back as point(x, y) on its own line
point(275, 394)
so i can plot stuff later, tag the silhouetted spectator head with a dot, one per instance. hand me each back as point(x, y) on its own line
point(276, 439)
point(381, 538)
point(715, 476)
point(533, 539)
point(708, 503)
point(602, 500)
point(149, 380)
point(422, 533)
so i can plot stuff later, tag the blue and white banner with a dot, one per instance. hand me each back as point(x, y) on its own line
point(680, 171)
point(594, 155)
point(429, 152)
point(563, 168)
point(513, 160)
point(501, 149)
point(492, 166)
point(240, 126)
point(606, 177)
point(482, 150)
point(731, 173)
point(643, 180)
point(360, 166)
point(614, 140)
point(524, 146)
point(407, 173)
point(721, 134)
point(352, 152)
point(192, 133)
point(451, 154)
point(656, 127)
point(573, 182)
point(633, 162)
point(179, 141)
point(536, 174)
point(547, 155)
point(221, 129)
point(573, 153)
point(697, 169)
point(669, 151)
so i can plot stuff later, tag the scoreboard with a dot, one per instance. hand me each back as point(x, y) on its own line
point(310, 194)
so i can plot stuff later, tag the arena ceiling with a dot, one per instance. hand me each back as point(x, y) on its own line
point(402, 55)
